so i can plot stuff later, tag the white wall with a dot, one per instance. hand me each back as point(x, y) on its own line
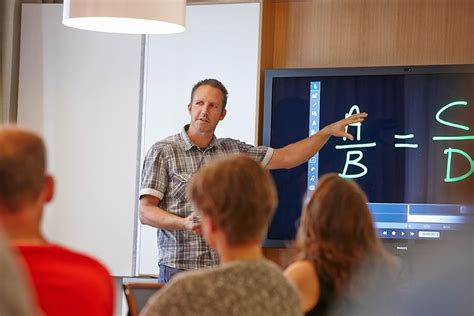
point(81, 91)
point(220, 41)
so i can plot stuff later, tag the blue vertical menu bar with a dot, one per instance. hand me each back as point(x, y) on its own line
point(313, 163)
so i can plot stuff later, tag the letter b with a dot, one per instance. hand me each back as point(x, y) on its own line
point(354, 162)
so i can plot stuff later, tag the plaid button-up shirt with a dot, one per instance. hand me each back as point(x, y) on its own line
point(167, 168)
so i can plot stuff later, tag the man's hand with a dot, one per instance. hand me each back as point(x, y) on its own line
point(338, 128)
point(294, 154)
point(193, 223)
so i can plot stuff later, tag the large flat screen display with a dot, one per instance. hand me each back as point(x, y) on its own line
point(413, 156)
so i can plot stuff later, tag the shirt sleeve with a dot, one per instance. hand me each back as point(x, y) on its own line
point(263, 154)
point(154, 177)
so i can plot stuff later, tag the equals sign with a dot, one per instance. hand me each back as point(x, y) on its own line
point(404, 145)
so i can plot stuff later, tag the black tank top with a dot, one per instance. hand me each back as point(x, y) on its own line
point(326, 296)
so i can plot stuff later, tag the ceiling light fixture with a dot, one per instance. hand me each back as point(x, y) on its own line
point(126, 16)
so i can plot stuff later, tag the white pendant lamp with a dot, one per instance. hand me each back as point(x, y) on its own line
point(126, 16)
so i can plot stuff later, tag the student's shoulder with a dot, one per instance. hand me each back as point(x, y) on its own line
point(174, 298)
point(183, 287)
point(301, 265)
point(84, 261)
point(300, 272)
point(190, 279)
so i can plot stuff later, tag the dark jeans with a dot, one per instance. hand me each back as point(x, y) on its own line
point(166, 273)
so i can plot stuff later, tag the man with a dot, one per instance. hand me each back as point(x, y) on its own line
point(66, 282)
point(170, 163)
point(236, 199)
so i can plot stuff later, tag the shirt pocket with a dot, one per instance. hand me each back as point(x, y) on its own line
point(179, 182)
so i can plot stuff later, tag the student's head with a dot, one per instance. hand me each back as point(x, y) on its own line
point(336, 229)
point(23, 179)
point(207, 105)
point(235, 196)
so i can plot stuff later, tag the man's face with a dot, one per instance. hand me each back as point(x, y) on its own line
point(206, 109)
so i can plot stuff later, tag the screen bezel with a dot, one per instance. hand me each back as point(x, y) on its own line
point(271, 74)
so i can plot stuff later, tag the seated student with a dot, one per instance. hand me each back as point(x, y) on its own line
point(235, 199)
point(341, 260)
point(66, 282)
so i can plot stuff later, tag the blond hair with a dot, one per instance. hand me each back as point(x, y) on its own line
point(238, 194)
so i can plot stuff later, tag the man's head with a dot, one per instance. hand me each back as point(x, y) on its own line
point(214, 83)
point(22, 169)
point(207, 105)
point(236, 196)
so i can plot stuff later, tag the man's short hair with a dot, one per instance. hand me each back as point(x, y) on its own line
point(238, 194)
point(22, 167)
point(215, 84)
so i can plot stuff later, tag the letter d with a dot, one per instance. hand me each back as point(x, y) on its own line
point(449, 152)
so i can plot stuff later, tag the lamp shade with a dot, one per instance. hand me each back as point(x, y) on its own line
point(126, 16)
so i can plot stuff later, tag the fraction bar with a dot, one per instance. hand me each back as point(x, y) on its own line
point(453, 137)
point(356, 146)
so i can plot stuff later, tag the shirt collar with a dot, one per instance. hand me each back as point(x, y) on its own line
point(188, 144)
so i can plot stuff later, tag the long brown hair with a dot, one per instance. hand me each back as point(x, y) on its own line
point(337, 232)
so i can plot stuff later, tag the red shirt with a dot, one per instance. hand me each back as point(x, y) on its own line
point(68, 283)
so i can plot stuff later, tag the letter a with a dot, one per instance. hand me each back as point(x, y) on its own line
point(354, 162)
point(353, 110)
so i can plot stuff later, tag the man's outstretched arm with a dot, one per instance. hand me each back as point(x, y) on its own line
point(297, 153)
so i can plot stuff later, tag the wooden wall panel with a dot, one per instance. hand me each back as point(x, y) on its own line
point(460, 32)
point(193, 2)
point(330, 33)
point(267, 31)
